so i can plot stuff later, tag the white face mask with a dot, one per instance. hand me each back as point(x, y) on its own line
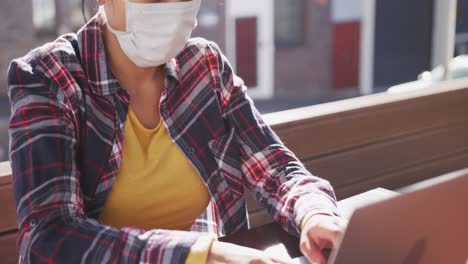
point(156, 32)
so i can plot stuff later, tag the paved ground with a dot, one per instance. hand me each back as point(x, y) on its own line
point(4, 107)
point(280, 104)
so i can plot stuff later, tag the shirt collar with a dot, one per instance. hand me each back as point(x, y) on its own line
point(95, 64)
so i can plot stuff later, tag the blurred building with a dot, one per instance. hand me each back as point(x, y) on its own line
point(346, 16)
point(290, 53)
point(282, 49)
point(28, 24)
point(405, 39)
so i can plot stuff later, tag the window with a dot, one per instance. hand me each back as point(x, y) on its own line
point(289, 23)
point(44, 16)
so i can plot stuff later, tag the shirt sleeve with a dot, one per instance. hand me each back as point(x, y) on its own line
point(310, 214)
point(53, 227)
point(276, 177)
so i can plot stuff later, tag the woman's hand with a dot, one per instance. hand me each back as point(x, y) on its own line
point(320, 231)
point(222, 252)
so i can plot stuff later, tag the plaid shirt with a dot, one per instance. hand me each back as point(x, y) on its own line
point(66, 133)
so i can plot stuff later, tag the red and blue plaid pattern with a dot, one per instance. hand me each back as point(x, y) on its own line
point(66, 132)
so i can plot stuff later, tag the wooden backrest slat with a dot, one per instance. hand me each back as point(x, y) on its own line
point(8, 211)
point(8, 252)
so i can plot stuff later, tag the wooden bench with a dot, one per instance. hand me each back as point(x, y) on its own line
point(381, 140)
point(7, 217)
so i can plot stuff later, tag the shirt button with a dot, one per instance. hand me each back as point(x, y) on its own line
point(165, 112)
point(32, 222)
point(192, 150)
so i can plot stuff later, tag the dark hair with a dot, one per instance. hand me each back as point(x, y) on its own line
point(83, 10)
point(85, 7)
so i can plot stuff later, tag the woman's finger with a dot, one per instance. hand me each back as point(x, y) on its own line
point(325, 236)
point(312, 251)
point(326, 233)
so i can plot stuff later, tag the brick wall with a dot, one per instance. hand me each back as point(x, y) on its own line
point(214, 33)
point(18, 36)
point(306, 70)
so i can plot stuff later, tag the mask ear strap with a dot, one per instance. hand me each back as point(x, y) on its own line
point(114, 31)
point(104, 20)
point(126, 17)
point(102, 14)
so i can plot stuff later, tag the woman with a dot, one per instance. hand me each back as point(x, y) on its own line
point(131, 143)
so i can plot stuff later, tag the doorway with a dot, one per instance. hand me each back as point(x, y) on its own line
point(250, 44)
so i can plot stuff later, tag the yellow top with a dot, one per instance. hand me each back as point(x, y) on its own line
point(156, 186)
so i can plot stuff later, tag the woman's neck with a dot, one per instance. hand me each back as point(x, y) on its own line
point(132, 77)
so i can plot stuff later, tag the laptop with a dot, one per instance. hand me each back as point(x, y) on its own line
point(427, 225)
